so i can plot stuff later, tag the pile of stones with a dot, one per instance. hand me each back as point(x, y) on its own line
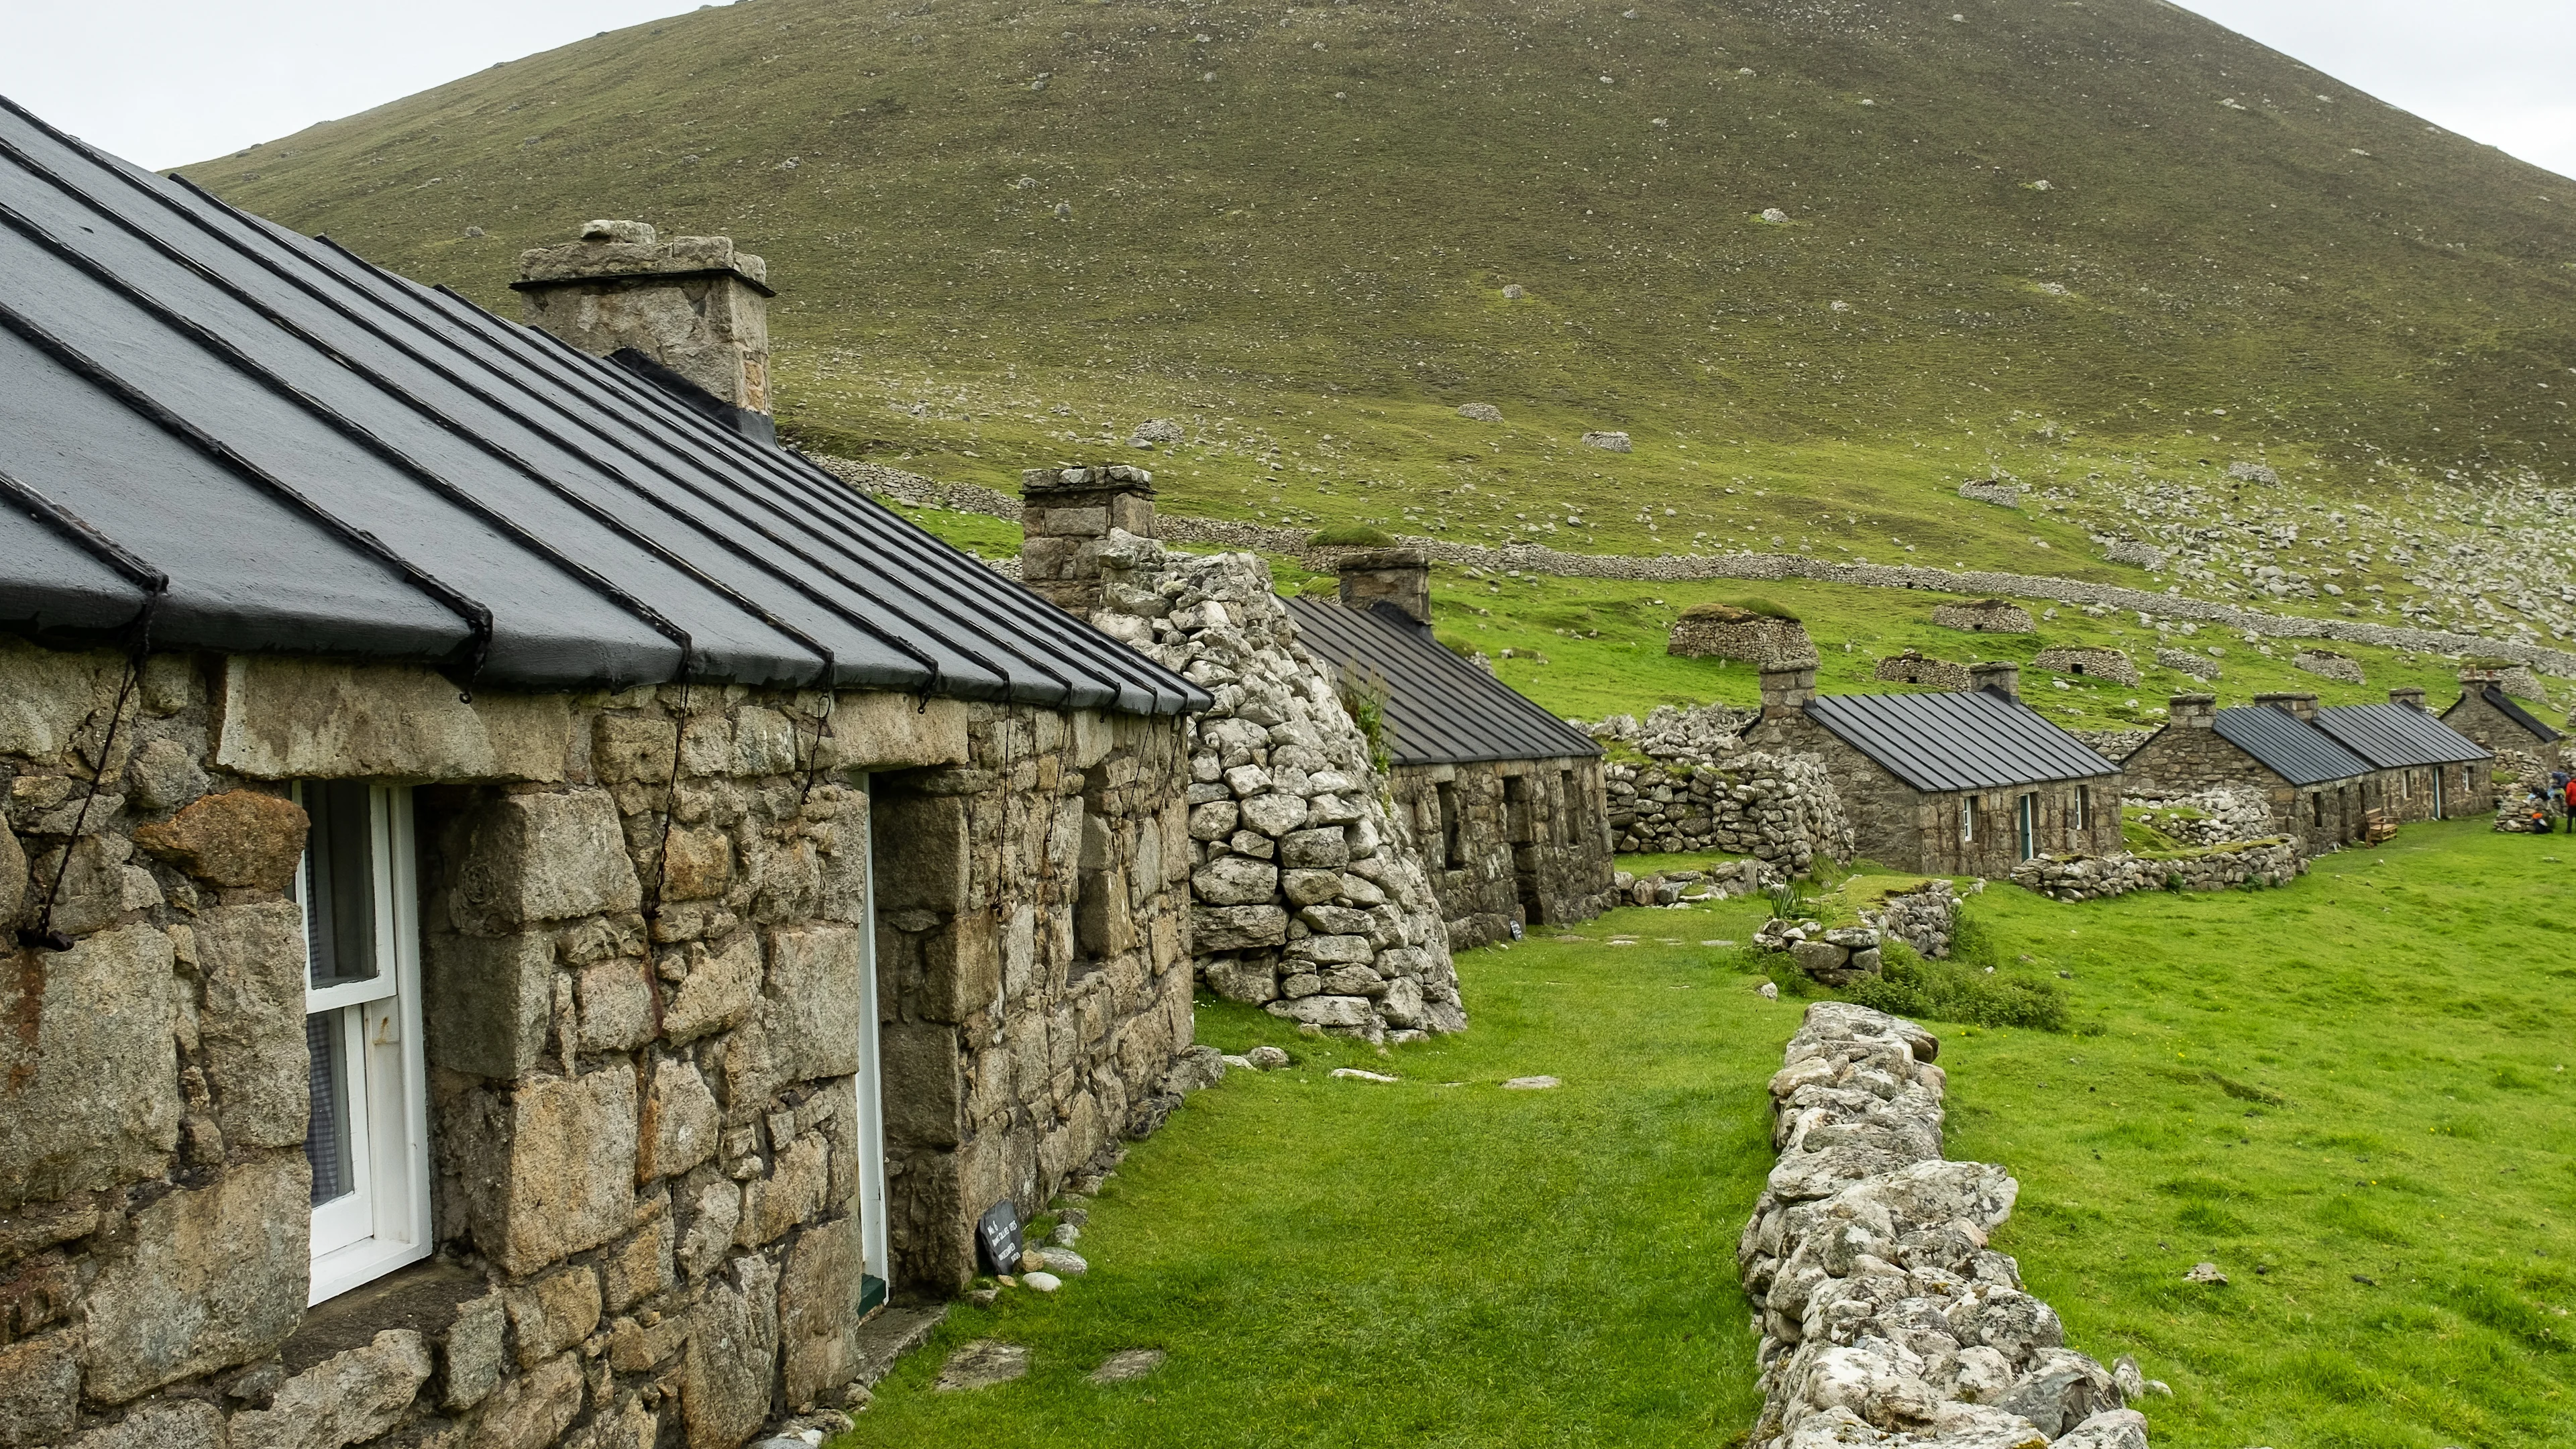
point(1834, 955)
point(2218, 815)
point(1308, 892)
point(1724, 880)
point(2098, 877)
point(1698, 735)
point(1778, 808)
point(1886, 1319)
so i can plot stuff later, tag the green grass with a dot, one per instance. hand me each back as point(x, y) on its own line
point(2360, 1073)
point(1292, 232)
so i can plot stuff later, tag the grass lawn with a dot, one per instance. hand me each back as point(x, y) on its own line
point(2359, 1074)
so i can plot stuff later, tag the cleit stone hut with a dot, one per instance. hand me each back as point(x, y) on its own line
point(1971, 783)
point(1911, 667)
point(1506, 801)
point(534, 911)
point(1985, 616)
point(1725, 631)
point(2423, 768)
point(2484, 712)
point(2086, 662)
point(2317, 791)
point(2327, 664)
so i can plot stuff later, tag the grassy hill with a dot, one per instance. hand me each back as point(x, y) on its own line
point(2105, 247)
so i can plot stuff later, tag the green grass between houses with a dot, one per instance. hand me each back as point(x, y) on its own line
point(2362, 1073)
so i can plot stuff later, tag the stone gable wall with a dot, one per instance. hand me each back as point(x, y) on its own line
point(1492, 861)
point(642, 1116)
point(2516, 747)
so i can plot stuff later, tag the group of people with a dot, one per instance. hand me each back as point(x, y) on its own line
point(2550, 803)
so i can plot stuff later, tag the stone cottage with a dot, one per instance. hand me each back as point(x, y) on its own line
point(1506, 800)
point(1308, 892)
point(534, 910)
point(2496, 721)
point(1968, 783)
point(2315, 790)
point(2423, 768)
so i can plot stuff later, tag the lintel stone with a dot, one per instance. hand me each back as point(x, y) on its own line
point(289, 719)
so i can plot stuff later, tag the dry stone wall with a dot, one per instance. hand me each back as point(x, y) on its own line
point(2090, 663)
point(2097, 877)
point(1311, 897)
point(1775, 807)
point(1911, 667)
point(1886, 1318)
point(641, 953)
point(1725, 633)
point(1762, 567)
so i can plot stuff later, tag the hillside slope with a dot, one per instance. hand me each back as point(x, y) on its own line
point(2105, 246)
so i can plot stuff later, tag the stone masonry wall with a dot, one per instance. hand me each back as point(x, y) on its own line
point(1509, 841)
point(1734, 634)
point(1776, 807)
point(1309, 892)
point(642, 1117)
point(1911, 667)
point(2184, 758)
point(1886, 1319)
point(2086, 878)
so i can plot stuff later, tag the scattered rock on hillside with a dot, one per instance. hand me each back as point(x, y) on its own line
point(1531, 1084)
point(1480, 412)
point(1607, 442)
point(2254, 473)
point(2204, 1273)
point(1156, 430)
point(1355, 1074)
point(1064, 1262)
point(1768, 991)
point(1774, 215)
point(1043, 1282)
point(1266, 1058)
point(1127, 1363)
point(1513, 293)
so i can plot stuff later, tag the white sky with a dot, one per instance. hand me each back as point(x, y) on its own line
point(165, 82)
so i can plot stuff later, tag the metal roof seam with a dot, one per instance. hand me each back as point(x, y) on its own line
point(136, 569)
point(476, 615)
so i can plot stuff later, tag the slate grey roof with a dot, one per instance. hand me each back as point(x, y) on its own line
point(290, 450)
point(2287, 745)
point(2394, 736)
point(1440, 709)
point(2504, 704)
point(1971, 740)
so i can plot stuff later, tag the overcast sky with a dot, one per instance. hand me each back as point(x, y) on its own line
point(165, 82)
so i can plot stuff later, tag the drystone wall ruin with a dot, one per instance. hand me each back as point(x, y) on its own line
point(1886, 1319)
point(2097, 877)
point(1924, 918)
point(1720, 632)
point(1310, 894)
point(641, 922)
point(1775, 807)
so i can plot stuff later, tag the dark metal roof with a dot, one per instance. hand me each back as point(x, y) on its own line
point(2287, 745)
point(293, 451)
point(1441, 709)
point(2504, 704)
point(2393, 736)
point(1971, 740)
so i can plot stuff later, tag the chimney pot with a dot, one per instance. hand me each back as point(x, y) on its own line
point(1997, 676)
point(1400, 576)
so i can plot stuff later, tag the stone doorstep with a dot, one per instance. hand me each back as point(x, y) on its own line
point(879, 1342)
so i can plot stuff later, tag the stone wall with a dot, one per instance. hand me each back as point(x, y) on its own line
point(2188, 756)
point(1509, 842)
point(642, 945)
point(1897, 825)
point(1310, 895)
point(1759, 567)
point(1720, 880)
point(1924, 918)
point(2517, 748)
point(1719, 632)
point(1986, 616)
point(2089, 663)
point(1774, 807)
point(2183, 661)
point(2086, 878)
point(1885, 1317)
point(1911, 667)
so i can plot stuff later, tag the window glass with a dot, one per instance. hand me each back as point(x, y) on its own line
point(326, 1136)
point(340, 883)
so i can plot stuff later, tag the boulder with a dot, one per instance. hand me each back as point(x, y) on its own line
point(240, 838)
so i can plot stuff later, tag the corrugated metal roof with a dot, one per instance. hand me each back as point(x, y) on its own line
point(2287, 745)
point(1974, 740)
point(1441, 709)
point(2505, 705)
point(302, 453)
point(2394, 736)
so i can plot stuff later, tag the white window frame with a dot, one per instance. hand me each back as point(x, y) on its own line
point(2026, 824)
point(1967, 819)
point(383, 1223)
point(2083, 807)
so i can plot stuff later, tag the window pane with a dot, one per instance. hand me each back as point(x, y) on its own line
point(326, 1132)
point(340, 888)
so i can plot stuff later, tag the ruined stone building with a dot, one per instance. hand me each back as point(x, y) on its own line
point(1724, 631)
point(2422, 768)
point(1506, 801)
point(2499, 723)
point(1967, 783)
point(2318, 792)
point(534, 910)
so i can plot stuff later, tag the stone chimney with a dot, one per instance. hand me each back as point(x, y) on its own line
point(687, 310)
point(1401, 576)
point(1997, 676)
point(2474, 677)
point(2192, 711)
point(2407, 694)
point(1065, 515)
point(1787, 689)
point(2302, 704)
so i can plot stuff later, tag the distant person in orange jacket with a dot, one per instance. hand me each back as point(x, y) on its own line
point(2570, 802)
